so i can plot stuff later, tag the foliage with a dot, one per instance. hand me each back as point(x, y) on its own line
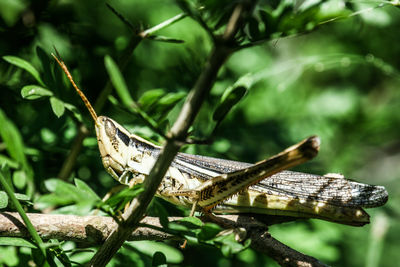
point(304, 67)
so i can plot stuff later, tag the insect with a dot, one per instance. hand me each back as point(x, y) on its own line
point(226, 186)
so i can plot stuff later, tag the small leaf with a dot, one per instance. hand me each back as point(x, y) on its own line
point(74, 111)
point(161, 213)
point(119, 200)
point(16, 242)
point(167, 103)
point(208, 231)
point(193, 222)
point(3, 200)
point(11, 258)
point(63, 189)
point(9, 162)
point(85, 188)
point(22, 197)
point(171, 99)
point(19, 179)
point(231, 97)
point(150, 97)
point(57, 106)
point(32, 92)
point(118, 81)
point(159, 259)
point(12, 139)
point(229, 245)
point(23, 64)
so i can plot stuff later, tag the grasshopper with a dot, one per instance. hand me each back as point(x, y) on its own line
point(226, 186)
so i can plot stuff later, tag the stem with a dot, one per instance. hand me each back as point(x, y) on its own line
point(221, 51)
point(23, 215)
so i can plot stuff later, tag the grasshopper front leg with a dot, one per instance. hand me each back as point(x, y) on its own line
point(221, 187)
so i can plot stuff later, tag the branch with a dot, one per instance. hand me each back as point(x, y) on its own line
point(194, 100)
point(93, 230)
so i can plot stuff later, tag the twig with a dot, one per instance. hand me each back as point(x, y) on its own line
point(93, 230)
point(178, 132)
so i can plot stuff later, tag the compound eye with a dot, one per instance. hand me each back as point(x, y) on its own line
point(110, 128)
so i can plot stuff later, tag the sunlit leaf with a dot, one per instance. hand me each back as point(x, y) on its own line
point(19, 179)
point(150, 97)
point(16, 242)
point(32, 92)
point(57, 106)
point(12, 139)
point(118, 81)
point(231, 97)
point(208, 231)
point(23, 64)
point(9, 162)
point(86, 189)
point(74, 111)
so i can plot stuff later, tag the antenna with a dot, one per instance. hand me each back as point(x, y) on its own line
point(80, 93)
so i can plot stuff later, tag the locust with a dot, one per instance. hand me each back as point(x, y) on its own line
point(226, 186)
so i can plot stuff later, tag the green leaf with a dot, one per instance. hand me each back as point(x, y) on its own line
point(19, 179)
point(8, 162)
point(171, 99)
point(229, 245)
point(23, 64)
point(22, 197)
point(16, 242)
point(63, 189)
point(208, 231)
point(3, 200)
point(12, 139)
point(191, 222)
point(51, 200)
point(74, 111)
point(161, 213)
point(167, 103)
point(119, 200)
point(231, 97)
point(8, 256)
point(159, 259)
point(32, 92)
point(173, 255)
point(149, 97)
point(57, 106)
point(118, 81)
point(86, 189)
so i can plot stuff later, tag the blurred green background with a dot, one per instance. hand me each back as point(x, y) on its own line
point(339, 81)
